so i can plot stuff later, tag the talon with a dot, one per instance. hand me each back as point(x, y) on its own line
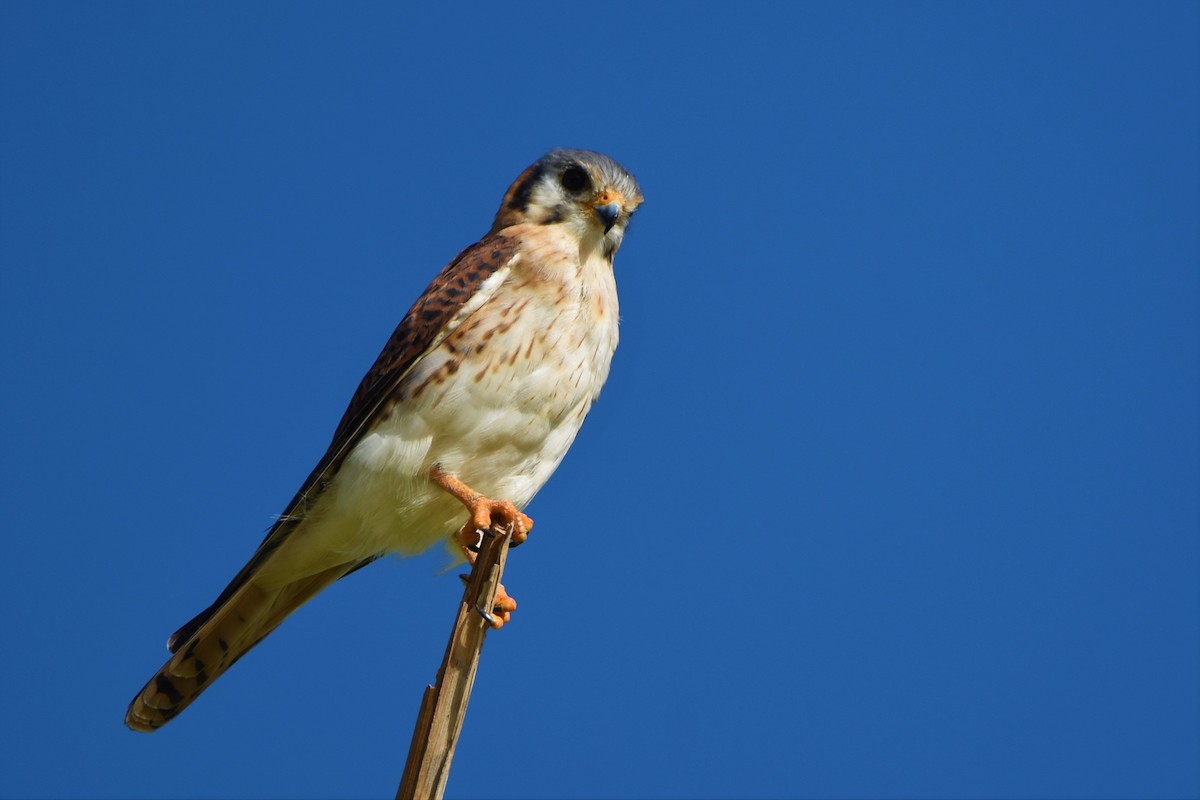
point(470, 539)
point(503, 609)
point(486, 514)
point(521, 526)
point(504, 601)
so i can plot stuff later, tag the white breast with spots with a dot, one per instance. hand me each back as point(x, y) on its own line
point(498, 402)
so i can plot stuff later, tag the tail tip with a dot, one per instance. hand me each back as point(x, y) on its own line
point(142, 719)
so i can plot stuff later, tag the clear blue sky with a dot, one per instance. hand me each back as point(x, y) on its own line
point(893, 491)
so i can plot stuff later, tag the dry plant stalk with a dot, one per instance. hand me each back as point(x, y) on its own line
point(444, 704)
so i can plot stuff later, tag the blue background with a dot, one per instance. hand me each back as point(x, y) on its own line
point(892, 493)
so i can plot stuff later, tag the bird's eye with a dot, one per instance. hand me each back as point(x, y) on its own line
point(573, 179)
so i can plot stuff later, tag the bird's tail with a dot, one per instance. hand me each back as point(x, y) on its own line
point(211, 643)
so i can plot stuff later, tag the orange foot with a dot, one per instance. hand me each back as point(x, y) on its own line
point(485, 512)
point(486, 515)
point(502, 611)
point(505, 604)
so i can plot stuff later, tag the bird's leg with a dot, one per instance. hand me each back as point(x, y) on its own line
point(485, 512)
point(485, 515)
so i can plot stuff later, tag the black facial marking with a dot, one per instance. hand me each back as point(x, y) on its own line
point(556, 215)
point(609, 248)
point(521, 194)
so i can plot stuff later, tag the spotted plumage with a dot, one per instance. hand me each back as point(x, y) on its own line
point(484, 383)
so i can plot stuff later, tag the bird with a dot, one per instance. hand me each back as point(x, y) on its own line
point(470, 406)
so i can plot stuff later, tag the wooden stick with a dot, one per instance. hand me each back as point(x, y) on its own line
point(444, 704)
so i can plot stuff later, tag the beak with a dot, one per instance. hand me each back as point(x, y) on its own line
point(608, 214)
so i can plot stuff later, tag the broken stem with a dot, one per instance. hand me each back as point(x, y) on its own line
point(444, 704)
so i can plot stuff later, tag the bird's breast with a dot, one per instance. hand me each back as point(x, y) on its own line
point(497, 402)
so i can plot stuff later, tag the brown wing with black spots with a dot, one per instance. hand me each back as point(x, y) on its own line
point(442, 300)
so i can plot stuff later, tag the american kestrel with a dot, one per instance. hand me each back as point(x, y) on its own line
point(477, 395)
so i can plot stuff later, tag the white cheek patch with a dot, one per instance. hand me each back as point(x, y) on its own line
point(545, 195)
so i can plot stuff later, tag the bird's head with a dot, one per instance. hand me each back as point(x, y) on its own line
point(588, 192)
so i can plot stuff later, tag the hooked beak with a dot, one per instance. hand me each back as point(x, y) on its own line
point(607, 214)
